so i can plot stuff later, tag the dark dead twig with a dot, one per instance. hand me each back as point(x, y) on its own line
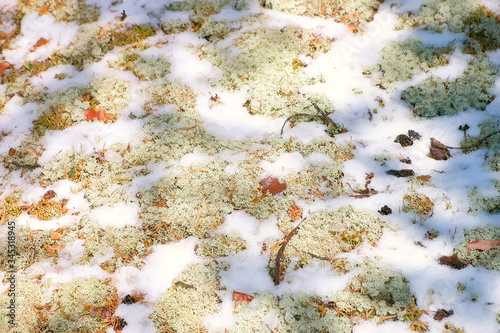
point(476, 145)
point(281, 251)
point(321, 116)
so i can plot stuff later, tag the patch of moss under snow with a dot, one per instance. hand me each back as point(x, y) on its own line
point(435, 97)
point(262, 62)
point(350, 12)
point(192, 296)
point(189, 202)
point(437, 14)
point(144, 68)
point(73, 306)
point(29, 300)
point(400, 60)
point(102, 179)
point(376, 294)
point(324, 234)
point(292, 312)
point(488, 259)
point(72, 10)
point(220, 246)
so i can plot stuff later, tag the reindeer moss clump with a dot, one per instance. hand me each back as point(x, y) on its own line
point(192, 296)
point(264, 62)
point(438, 14)
point(377, 293)
point(83, 305)
point(144, 67)
point(189, 202)
point(325, 234)
point(350, 12)
point(489, 259)
point(129, 246)
point(400, 60)
point(72, 10)
point(435, 97)
point(220, 246)
point(102, 179)
point(29, 299)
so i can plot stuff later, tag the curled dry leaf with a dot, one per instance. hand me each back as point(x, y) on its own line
point(483, 244)
point(438, 151)
point(3, 66)
point(272, 185)
point(241, 297)
point(99, 114)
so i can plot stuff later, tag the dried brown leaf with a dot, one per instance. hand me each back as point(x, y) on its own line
point(272, 185)
point(241, 297)
point(453, 261)
point(483, 244)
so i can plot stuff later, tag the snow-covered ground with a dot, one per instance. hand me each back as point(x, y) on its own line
point(146, 187)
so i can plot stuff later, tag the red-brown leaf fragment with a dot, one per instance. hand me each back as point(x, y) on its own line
point(241, 297)
point(49, 194)
point(272, 185)
point(453, 261)
point(3, 66)
point(41, 42)
point(438, 151)
point(483, 244)
point(99, 114)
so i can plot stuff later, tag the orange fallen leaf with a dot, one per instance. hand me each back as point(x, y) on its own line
point(41, 42)
point(241, 297)
point(99, 114)
point(483, 244)
point(272, 185)
point(3, 66)
point(56, 236)
point(424, 178)
point(54, 249)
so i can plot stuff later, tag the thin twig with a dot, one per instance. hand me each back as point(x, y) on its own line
point(476, 144)
point(281, 251)
point(322, 116)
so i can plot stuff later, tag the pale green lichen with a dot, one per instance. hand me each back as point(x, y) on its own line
point(29, 300)
point(292, 312)
point(192, 296)
point(325, 234)
point(489, 259)
point(261, 313)
point(267, 52)
point(129, 246)
point(376, 293)
point(305, 313)
point(437, 14)
point(102, 179)
point(69, 10)
point(145, 68)
point(72, 305)
point(435, 97)
point(189, 202)
point(220, 246)
point(401, 60)
point(350, 12)
point(24, 157)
